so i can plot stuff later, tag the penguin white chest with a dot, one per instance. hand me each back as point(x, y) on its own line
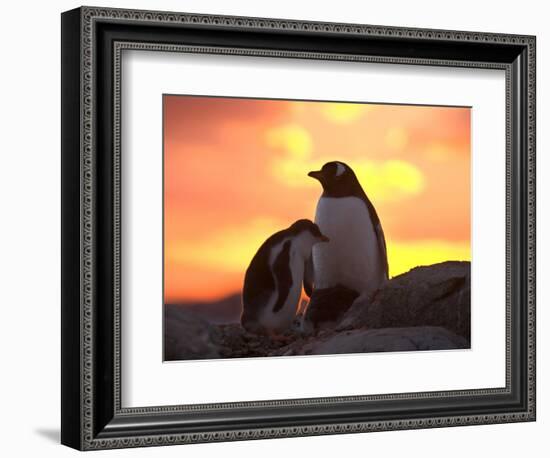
point(351, 258)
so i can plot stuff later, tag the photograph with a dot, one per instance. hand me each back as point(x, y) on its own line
point(283, 223)
point(310, 227)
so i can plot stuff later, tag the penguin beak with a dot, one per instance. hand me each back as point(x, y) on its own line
point(324, 238)
point(317, 174)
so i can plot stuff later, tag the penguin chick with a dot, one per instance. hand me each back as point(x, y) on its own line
point(273, 280)
point(356, 255)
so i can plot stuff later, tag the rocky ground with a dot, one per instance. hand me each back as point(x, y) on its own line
point(427, 308)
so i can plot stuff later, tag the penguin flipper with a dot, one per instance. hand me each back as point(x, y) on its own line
point(379, 235)
point(283, 275)
point(258, 287)
point(382, 247)
point(308, 276)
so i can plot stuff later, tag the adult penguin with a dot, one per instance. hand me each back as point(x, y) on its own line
point(356, 255)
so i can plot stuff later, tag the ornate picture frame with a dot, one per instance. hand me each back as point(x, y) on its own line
point(93, 416)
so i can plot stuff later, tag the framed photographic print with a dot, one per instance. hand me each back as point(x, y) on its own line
point(277, 228)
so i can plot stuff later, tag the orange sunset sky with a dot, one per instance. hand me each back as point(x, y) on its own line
point(236, 172)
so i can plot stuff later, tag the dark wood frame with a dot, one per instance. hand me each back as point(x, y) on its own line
point(92, 42)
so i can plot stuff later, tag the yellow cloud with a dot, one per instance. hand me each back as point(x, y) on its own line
point(230, 249)
point(382, 180)
point(389, 180)
point(343, 113)
point(403, 256)
point(293, 139)
point(439, 152)
point(396, 138)
point(293, 173)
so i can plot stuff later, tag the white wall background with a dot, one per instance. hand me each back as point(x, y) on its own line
point(30, 240)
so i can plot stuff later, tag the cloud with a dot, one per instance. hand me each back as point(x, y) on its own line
point(389, 180)
point(396, 138)
point(344, 113)
point(441, 152)
point(381, 180)
point(292, 139)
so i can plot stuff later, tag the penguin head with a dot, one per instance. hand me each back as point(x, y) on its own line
point(307, 233)
point(338, 180)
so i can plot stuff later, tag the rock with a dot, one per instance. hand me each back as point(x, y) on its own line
point(437, 295)
point(234, 332)
point(187, 335)
point(326, 307)
point(381, 340)
point(428, 308)
point(234, 341)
